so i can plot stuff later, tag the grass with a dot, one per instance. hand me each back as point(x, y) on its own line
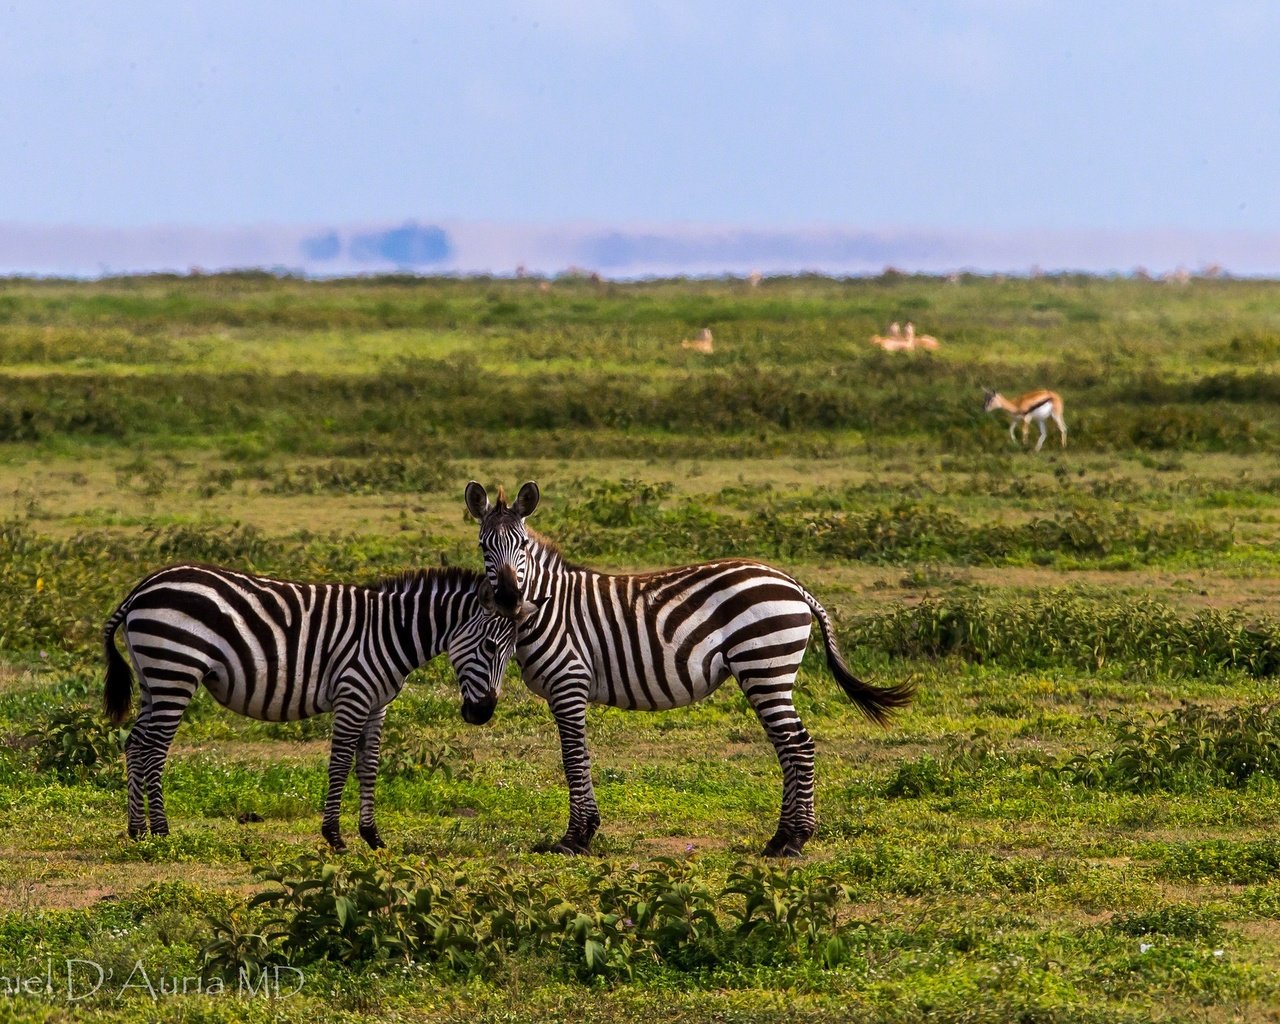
point(1074, 822)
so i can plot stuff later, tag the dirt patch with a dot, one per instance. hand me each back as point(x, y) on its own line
point(681, 846)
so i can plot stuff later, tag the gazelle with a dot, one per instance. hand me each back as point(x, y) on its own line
point(702, 343)
point(1034, 405)
point(927, 341)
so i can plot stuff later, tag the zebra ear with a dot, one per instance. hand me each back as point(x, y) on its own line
point(485, 593)
point(527, 609)
point(477, 500)
point(526, 501)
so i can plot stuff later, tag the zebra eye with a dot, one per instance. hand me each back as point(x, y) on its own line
point(490, 644)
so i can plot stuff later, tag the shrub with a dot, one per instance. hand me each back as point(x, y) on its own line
point(78, 745)
point(1057, 627)
point(1176, 920)
point(1190, 746)
point(469, 920)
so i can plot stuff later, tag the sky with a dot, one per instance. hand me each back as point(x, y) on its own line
point(956, 121)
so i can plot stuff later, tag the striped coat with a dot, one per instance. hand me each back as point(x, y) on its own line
point(281, 651)
point(662, 640)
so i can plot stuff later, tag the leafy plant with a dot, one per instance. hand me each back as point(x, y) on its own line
point(78, 745)
point(1192, 745)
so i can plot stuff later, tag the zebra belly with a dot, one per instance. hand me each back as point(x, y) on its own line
point(169, 647)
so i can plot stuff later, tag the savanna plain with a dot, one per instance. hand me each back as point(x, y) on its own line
point(1076, 820)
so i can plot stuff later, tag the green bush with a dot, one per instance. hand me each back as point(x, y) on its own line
point(1187, 747)
point(1062, 628)
point(471, 919)
point(78, 746)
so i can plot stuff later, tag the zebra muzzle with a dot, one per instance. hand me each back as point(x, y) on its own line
point(506, 596)
point(477, 712)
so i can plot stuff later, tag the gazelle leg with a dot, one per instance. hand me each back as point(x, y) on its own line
point(1062, 427)
point(1044, 432)
point(1013, 426)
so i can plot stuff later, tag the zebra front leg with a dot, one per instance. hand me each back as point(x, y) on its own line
point(367, 774)
point(570, 711)
point(349, 718)
point(771, 700)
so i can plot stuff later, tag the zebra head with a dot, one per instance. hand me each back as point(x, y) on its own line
point(504, 543)
point(479, 651)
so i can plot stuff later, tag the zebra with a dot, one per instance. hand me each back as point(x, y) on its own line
point(281, 651)
point(659, 640)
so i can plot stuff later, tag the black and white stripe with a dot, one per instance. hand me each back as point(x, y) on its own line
point(281, 651)
point(663, 640)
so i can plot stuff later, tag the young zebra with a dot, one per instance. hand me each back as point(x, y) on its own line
point(281, 651)
point(661, 640)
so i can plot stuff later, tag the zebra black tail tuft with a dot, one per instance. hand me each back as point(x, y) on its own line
point(876, 702)
point(117, 696)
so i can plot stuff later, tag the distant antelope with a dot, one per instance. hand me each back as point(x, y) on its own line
point(919, 340)
point(1034, 405)
point(702, 343)
point(897, 341)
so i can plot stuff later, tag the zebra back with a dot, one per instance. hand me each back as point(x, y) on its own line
point(274, 647)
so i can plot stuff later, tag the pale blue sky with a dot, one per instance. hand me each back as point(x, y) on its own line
point(958, 114)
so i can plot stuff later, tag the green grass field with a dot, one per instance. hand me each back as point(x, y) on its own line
point(1076, 821)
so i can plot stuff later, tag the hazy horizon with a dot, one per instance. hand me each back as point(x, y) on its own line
point(621, 252)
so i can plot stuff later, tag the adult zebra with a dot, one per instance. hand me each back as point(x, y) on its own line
point(661, 640)
point(281, 651)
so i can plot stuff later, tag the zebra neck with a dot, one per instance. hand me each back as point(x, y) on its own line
point(427, 608)
point(545, 565)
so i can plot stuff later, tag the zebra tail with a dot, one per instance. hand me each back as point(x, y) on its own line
point(117, 695)
point(876, 702)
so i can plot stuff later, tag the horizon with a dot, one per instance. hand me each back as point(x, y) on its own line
point(623, 253)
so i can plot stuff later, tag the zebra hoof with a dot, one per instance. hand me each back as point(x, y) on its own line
point(565, 846)
point(334, 838)
point(783, 845)
point(370, 836)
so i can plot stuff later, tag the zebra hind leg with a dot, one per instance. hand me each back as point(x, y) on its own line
point(135, 752)
point(153, 750)
point(367, 774)
point(771, 700)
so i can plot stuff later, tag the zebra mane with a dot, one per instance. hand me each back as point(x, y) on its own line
point(448, 575)
point(552, 548)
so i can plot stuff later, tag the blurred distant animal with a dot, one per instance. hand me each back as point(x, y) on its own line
point(1034, 405)
point(899, 341)
point(702, 343)
point(914, 340)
